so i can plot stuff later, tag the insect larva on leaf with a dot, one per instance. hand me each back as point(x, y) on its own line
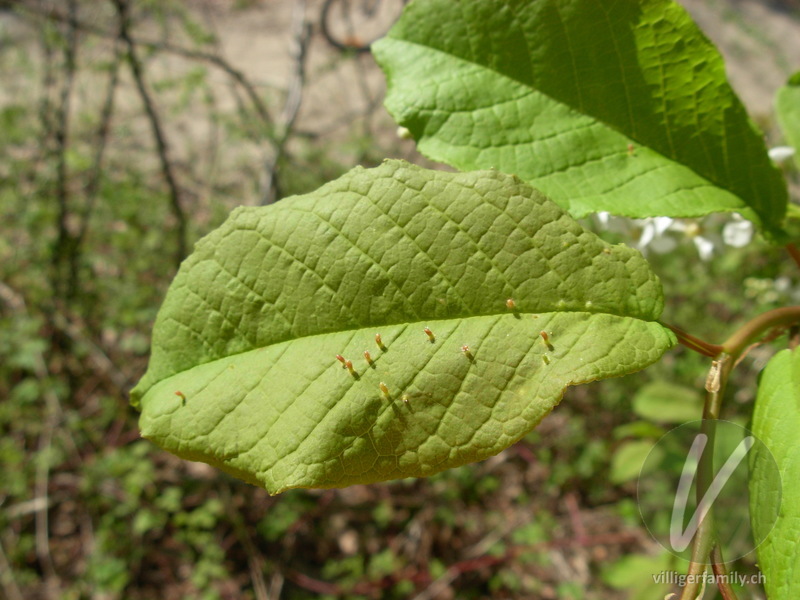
point(512, 306)
point(379, 341)
point(349, 366)
point(546, 340)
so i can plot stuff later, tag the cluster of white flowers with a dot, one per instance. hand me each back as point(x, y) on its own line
point(663, 234)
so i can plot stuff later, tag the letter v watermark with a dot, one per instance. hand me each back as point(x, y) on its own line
point(680, 539)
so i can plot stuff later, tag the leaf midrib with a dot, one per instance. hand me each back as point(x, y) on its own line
point(401, 324)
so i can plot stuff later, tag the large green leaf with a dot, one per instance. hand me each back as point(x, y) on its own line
point(787, 108)
point(667, 402)
point(776, 491)
point(603, 105)
point(244, 375)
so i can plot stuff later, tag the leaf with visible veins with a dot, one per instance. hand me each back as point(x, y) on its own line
point(604, 106)
point(251, 327)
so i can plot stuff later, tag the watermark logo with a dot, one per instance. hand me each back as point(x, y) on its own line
point(668, 484)
point(709, 579)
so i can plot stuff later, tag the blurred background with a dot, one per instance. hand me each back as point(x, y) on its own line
point(128, 130)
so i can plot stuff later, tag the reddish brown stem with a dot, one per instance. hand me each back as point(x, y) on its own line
point(694, 343)
point(721, 574)
point(794, 252)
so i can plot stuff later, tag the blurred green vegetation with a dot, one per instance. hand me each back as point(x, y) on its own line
point(88, 239)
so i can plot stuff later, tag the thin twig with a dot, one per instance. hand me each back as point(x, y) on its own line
point(64, 245)
point(42, 485)
point(45, 108)
point(122, 7)
point(373, 102)
point(276, 585)
point(255, 561)
point(216, 60)
point(92, 187)
point(301, 34)
point(721, 574)
point(10, 588)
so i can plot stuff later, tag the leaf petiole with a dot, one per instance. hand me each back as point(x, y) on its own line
point(694, 343)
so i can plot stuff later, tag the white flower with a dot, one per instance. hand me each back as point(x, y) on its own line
point(705, 247)
point(654, 236)
point(653, 229)
point(738, 232)
point(608, 222)
point(694, 231)
point(663, 234)
point(781, 154)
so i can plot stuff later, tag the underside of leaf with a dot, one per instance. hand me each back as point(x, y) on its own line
point(487, 298)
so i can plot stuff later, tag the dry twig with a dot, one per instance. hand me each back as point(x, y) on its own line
point(123, 12)
point(92, 187)
point(10, 587)
point(213, 59)
point(64, 247)
point(301, 35)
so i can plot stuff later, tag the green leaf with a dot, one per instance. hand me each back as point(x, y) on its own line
point(243, 373)
point(665, 402)
point(628, 460)
point(787, 108)
point(775, 490)
point(626, 574)
point(604, 106)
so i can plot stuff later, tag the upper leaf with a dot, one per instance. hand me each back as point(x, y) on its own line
point(604, 106)
point(776, 422)
point(243, 373)
point(787, 107)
